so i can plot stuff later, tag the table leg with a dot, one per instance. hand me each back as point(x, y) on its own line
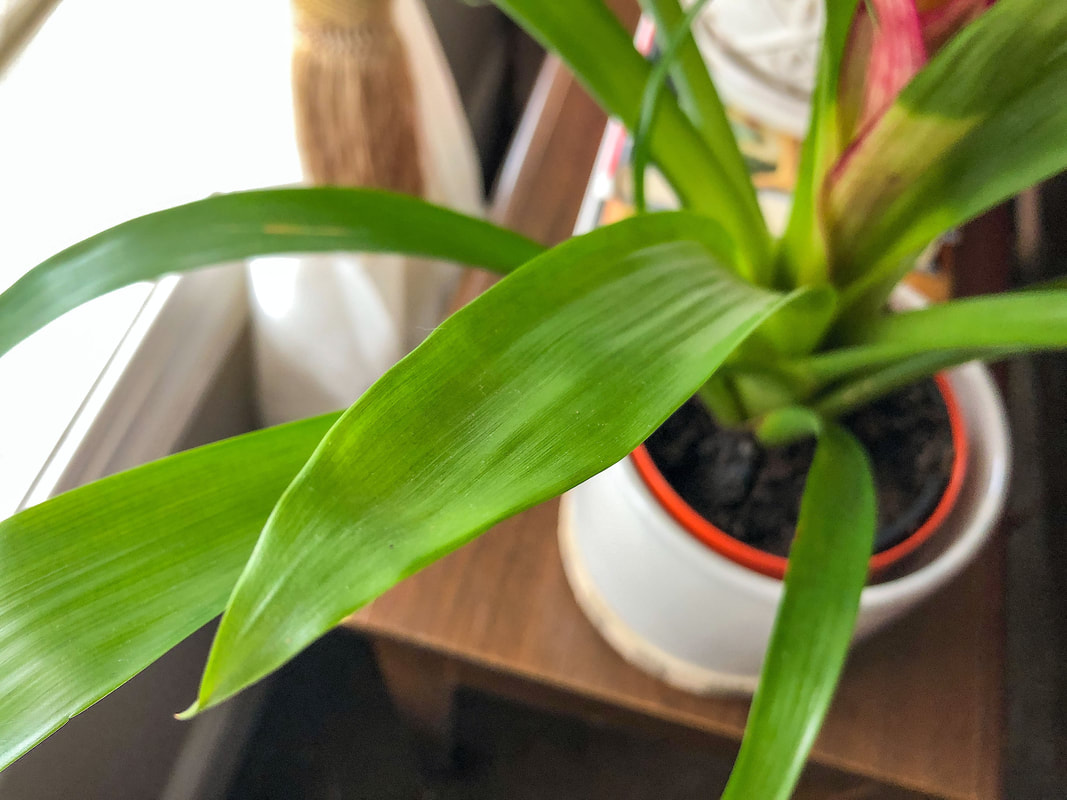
point(421, 685)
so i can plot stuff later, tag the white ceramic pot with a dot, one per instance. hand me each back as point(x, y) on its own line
point(701, 622)
point(762, 54)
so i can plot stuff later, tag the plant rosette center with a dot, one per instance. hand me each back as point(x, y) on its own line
point(742, 498)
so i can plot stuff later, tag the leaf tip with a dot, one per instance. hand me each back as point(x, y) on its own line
point(190, 712)
point(207, 697)
point(204, 701)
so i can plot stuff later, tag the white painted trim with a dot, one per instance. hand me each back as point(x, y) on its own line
point(151, 387)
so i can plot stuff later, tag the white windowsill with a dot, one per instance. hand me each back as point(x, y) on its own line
point(42, 393)
point(145, 396)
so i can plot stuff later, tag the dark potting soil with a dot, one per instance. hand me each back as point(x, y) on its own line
point(753, 492)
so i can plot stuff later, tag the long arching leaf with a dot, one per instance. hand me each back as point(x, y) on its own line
point(697, 94)
point(234, 226)
point(802, 254)
point(98, 583)
point(1015, 322)
point(673, 40)
point(590, 39)
point(548, 378)
point(826, 573)
point(982, 121)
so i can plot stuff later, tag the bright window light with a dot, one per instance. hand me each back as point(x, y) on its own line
point(118, 108)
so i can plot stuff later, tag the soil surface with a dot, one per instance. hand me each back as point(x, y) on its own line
point(753, 492)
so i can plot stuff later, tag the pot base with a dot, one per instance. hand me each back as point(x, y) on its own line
point(635, 649)
point(679, 609)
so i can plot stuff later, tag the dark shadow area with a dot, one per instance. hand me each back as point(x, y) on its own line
point(328, 731)
point(1036, 747)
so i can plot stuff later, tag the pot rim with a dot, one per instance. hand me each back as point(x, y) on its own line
point(774, 566)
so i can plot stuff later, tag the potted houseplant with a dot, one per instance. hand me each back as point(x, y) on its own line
point(677, 553)
point(562, 368)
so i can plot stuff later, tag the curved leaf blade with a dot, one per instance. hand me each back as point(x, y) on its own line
point(1014, 322)
point(978, 124)
point(697, 93)
point(797, 329)
point(108, 577)
point(884, 52)
point(866, 388)
point(802, 255)
point(548, 378)
point(589, 38)
point(673, 40)
point(244, 224)
point(826, 574)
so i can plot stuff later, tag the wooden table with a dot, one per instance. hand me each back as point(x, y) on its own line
point(919, 710)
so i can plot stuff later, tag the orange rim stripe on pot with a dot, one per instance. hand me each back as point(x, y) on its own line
point(774, 566)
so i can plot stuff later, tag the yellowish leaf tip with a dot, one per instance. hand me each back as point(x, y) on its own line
point(190, 712)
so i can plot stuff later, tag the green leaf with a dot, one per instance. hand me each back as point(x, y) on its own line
point(235, 226)
point(761, 373)
point(551, 376)
point(99, 582)
point(698, 96)
point(885, 50)
point(672, 40)
point(826, 573)
point(982, 121)
point(802, 257)
point(787, 424)
point(1019, 322)
point(758, 391)
point(798, 329)
point(589, 38)
point(863, 389)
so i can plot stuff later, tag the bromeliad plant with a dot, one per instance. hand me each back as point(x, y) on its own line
point(925, 115)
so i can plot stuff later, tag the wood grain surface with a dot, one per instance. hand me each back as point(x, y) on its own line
point(918, 707)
